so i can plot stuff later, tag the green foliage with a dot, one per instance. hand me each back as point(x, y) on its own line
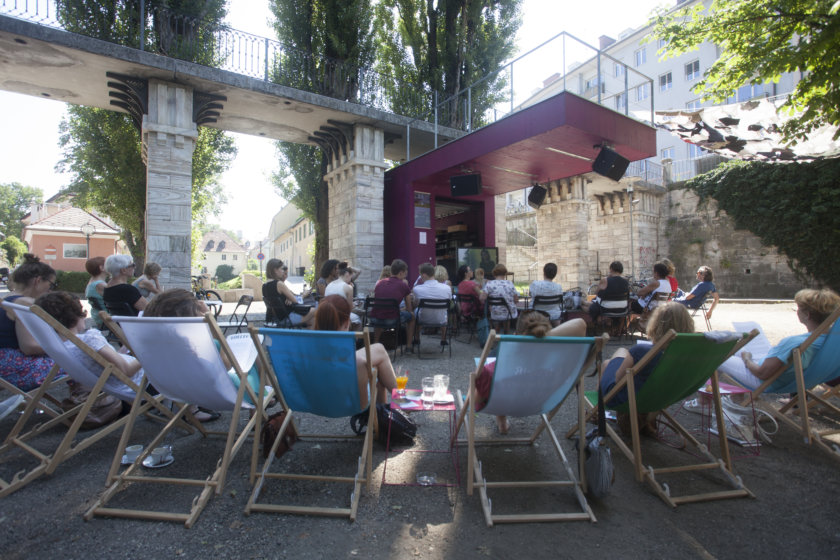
point(232, 284)
point(795, 207)
point(760, 40)
point(252, 265)
point(15, 200)
point(224, 272)
point(14, 249)
point(72, 281)
point(446, 47)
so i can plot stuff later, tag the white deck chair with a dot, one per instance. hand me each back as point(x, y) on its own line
point(533, 377)
point(180, 359)
point(49, 334)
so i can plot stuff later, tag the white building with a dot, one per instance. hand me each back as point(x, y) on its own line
point(291, 239)
point(218, 249)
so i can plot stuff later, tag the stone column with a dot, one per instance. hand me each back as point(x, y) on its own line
point(563, 229)
point(169, 136)
point(356, 184)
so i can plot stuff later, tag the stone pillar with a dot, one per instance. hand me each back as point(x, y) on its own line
point(563, 230)
point(356, 184)
point(169, 136)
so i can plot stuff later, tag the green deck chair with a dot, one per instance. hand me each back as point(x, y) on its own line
point(689, 360)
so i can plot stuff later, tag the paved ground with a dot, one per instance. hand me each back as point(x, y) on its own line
point(794, 513)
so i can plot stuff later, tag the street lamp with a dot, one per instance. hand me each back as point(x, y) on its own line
point(87, 230)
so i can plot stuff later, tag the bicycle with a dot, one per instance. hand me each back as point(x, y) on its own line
point(212, 297)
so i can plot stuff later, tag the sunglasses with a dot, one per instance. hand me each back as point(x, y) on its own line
point(53, 285)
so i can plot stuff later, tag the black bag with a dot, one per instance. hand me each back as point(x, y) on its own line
point(402, 428)
point(598, 465)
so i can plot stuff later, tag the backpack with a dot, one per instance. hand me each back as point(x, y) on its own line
point(402, 428)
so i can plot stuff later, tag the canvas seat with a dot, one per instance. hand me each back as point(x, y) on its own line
point(687, 363)
point(189, 372)
point(315, 373)
point(49, 334)
point(533, 377)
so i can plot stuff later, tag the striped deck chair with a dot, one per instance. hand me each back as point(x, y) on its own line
point(315, 372)
point(181, 360)
point(532, 377)
point(109, 379)
point(687, 363)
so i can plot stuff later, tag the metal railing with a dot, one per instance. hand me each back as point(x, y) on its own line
point(685, 169)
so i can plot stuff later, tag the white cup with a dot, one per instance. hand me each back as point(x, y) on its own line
point(441, 387)
point(160, 454)
point(132, 452)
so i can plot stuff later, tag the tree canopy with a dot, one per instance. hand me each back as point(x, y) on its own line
point(794, 206)
point(759, 40)
point(15, 200)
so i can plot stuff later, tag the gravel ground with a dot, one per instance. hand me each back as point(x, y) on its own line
point(795, 488)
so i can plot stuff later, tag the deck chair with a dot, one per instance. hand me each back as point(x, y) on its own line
point(49, 333)
point(189, 371)
point(315, 372)
point(689, 360)
point(238, 320)
point(825, 366)
point(428, 310)
point(533, 377)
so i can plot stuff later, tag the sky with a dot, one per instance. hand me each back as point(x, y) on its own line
point(29, 125)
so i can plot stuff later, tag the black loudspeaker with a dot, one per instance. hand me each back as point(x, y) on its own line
point(536, 196)
point(610, 164)
point(465, 185)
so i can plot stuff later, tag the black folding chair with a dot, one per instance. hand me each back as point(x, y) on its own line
point(236, 320)
point(379, 325)
point(498, 302)
point(615, 309)
point(546, 301)
point(277, 312)
point(431, 309)
point(469, 318)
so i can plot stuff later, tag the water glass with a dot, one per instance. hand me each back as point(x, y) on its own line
point(441, 387)
point(428, 397)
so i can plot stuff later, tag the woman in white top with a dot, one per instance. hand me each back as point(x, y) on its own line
point(341, 287)
point(660, 284)
point(148, 283)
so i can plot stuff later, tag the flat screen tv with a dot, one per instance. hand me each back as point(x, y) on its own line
point(479, 257)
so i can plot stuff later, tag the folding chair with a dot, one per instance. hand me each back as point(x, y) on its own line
point(687, 363)
point(120, 308)
point(471, 318)
point(190, 371)
point(238, 321)
point(614, 308)
point(825, 366)
point(432, 309)
point(533, 377)
point(395, 325)
point(546, 301)
point(315, 372)
point(49, 333)
point(498, 302)
point(277, 313)
point(702, 309)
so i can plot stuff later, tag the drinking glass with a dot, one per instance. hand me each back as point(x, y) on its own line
point(402, 381)
point(441, 387)
point(428, 398)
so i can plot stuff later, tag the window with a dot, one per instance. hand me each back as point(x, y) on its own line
point(666, 82)
point(668, 153)
point(695, 151)
point(75, 251)
point(642, 92)
point(224, 257)
point(591, 85)
point(640, 56)
point(662, 44)
point(235, 257)
point(621, 101)
point(619, 69)
point(692, 70)
point(694, 105)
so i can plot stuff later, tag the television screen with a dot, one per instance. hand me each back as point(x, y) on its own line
point(479, 257)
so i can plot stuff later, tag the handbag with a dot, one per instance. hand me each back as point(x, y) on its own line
point(598, 465)
point(269, 433)
point(395, 428)
point(482, 331)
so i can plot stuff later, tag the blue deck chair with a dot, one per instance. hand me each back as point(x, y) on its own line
point(49, 334)
point(182, 358)
point(533, 377)
point(688, 361)
point(825, 366)
point(315, 373)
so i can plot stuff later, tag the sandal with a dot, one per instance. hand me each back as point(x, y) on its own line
point(204, 414)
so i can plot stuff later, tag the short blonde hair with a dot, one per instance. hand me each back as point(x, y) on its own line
point(151, 269)
point(386, 272)
point(818, 304)
point(441, 275)
point(667, 316)
point(669, 265)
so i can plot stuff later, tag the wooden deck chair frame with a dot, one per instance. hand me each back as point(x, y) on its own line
point(234, 438)
point(48, 333)
point(651, 390)
point(807, 398)
point(475, 474)
point(365, 462)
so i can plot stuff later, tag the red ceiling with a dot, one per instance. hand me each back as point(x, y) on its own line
point(511, 153)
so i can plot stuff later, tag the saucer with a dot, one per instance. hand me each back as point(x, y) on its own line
point(147, 462)
point(125, 460)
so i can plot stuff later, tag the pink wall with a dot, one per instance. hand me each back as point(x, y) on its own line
point(50, 249)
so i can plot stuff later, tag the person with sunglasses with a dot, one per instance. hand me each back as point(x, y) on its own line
point(22, 360)
point(704, 288)
point(121, 298)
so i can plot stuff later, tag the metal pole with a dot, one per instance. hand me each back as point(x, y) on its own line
point(511, 87)
point(266, 59)
point(564, 62)
point(632, 244)
point(436, 119)
point(598, 77)
point(87, 240)
point(626, 91)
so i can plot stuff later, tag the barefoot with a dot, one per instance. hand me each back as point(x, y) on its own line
point(503, 424)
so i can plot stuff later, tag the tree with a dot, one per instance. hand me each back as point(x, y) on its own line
point(446, 47)
point(13, 248)
point(794, 206)
point(224, 272)
point(759, 40)
point(327, 46)
point(15, 200)
point(103, 150)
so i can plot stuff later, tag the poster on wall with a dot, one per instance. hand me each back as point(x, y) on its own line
point(484, 258)
point(422, 210)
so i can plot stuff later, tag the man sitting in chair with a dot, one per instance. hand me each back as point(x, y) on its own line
point(547, 287)
point(430, 288)
point(395, 288)
point(698, 294)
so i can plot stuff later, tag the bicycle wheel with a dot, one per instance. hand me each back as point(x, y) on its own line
point(214, 302)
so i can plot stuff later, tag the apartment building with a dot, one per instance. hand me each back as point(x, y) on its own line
point(291, 238)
